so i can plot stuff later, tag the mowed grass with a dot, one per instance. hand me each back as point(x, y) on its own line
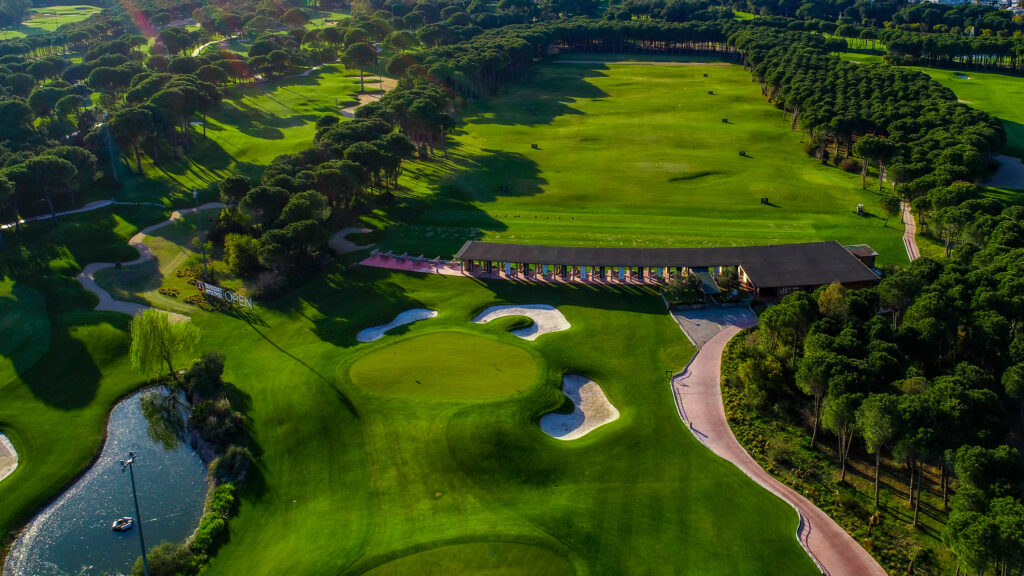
point(250, 128)
point(398, 484)
point(62, 365)
point(48, 19)
point(445, 365)
point(632, 155)
point(998, 94)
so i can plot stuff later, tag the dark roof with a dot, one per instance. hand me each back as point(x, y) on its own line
point(862, 250)
point(776, 266)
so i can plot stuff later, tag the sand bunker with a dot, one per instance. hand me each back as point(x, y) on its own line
point(592, 410)
point(545, 319)
point(1010, 173)
point(8, 457)
point(407, 317)
point(341, 245)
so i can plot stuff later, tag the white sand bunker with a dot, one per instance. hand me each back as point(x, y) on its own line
point(407, 317)
point(592, 410)
point(545, 319)
point(8, 457)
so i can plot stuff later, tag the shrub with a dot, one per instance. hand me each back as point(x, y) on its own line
point(210, 528)
point(729, 279)
point(850, 165)
point(222, 501)
point(241, 253)
point(232, 466)
point(684, 289)
point(780, 451)
point(216, 422)
point(165, 559)
point(203, 379)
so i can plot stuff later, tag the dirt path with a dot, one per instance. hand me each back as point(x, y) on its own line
point(210, 43)
point(87, 208)
point(698, 397)
point(910, 232)
point(107, 302)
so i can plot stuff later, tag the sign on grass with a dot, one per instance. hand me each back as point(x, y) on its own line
point(218, 292)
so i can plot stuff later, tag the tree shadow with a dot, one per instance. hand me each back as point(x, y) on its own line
point(68, 375)
point(545, 94)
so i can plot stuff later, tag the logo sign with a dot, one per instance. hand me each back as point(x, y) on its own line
point(218, 292)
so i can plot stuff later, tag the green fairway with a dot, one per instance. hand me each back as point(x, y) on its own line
point(997, 94)
point(445, 365)
point(479, 559)
point(250, 128)
point(461, 479)
point(632, 155)
point(48, 19)
point(859, 58)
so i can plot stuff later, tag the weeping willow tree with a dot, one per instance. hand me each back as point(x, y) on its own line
point(158, 342)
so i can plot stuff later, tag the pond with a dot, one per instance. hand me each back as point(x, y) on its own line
point(73, 537)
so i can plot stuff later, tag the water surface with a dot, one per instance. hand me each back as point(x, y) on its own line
point(73, 537)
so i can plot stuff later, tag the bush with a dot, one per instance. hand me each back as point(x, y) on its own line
point(216, 422)
point(780, 451)
point(729, 279)
point(850, 165)
point(241, 253)
point(684, 289)
point(232, 466)
point(222, 501)
point(210, 528)
point(203, 379)
point(165, 559)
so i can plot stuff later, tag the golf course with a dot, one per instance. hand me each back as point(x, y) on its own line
point(633, 154)
point(423, 446)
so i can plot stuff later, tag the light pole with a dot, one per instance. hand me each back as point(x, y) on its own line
point(138, 517)
point(199, 222)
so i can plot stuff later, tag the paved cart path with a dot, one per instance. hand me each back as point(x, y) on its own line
point(107, 302)
point(910, 232)
point(698, 396)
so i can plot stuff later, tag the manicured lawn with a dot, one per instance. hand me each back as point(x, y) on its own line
point(445, 365)
point(48, 19)
point(248, 130)
point(631, 155)
point(362, 481)
point(62, 365)
point(997, 94)
point(859, 58)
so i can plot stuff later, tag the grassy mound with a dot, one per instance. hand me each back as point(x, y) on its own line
point(445, 365)
point(479, 558)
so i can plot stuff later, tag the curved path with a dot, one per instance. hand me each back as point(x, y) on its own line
point(698, 396)
point(107, 302)
point(910, 232)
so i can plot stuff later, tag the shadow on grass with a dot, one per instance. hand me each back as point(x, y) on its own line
point(545, 94)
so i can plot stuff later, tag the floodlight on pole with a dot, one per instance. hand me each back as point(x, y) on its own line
point(138, 518)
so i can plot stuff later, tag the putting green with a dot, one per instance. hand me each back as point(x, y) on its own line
point(446, 365)
point(480, 558)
